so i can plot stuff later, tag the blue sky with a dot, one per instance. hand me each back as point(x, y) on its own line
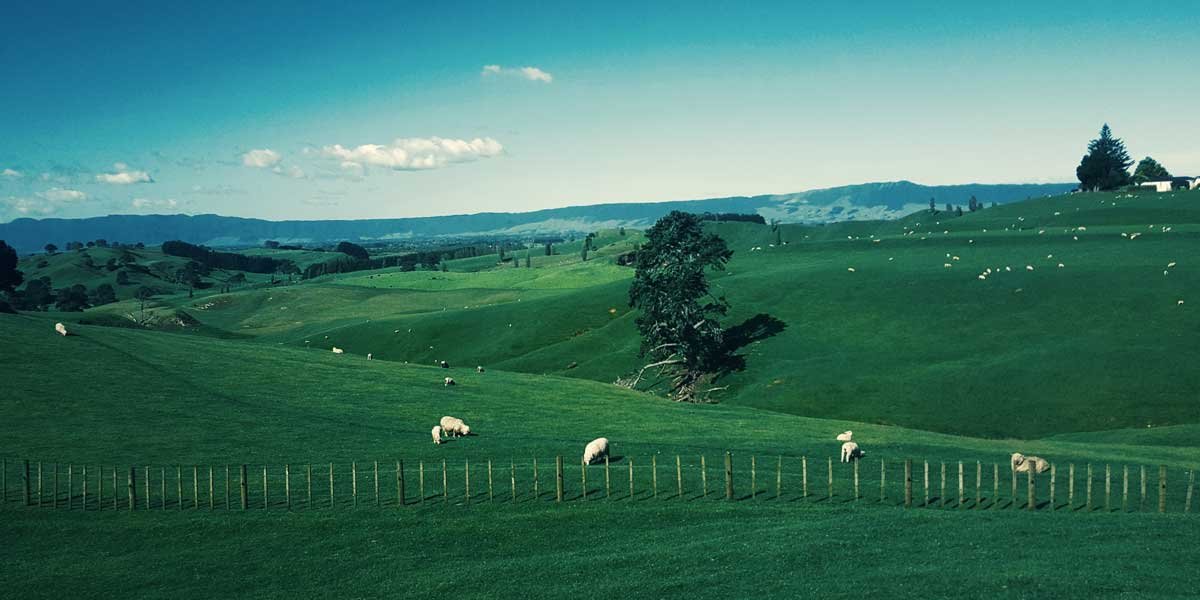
point(356, 110)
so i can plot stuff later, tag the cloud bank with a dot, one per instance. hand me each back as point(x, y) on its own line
point(261, 159)
point(124, 176)
point(413, 154)
point(528, 73)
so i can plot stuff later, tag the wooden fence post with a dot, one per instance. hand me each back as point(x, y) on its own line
point(375, 476)
point(942, 492)
point(513, 476)
point(829, 478)
point(926, 504)
point(558, 478)
point(1088, 489)
point(1053, 482)
point(287, 485)
point(1071, 486)
point(25, 483)
point(882, 481)
point(908, 483)
point(779, 478)
point(195, 487)
point(266, 495)
point(1162, 488)
point(728, 476)
point(402, 485)
point(308, 483)
point(753, 479)
point(1142, 500)
point(467, 479)
point(70, 486)
point(332, 497)
point(536, 493)
point(978, 484)
point(1107, 488)
point(354, 482)
point(703, 476)
point(857, 495)
point(607, 483)
point(583, 469)
point(491, 497)
point(1187, 502)
point(1030, 490)
point(146, 483)
point(178, 486)
point(242, 486)
point(211, 503)
point(961, 494)
point(804, 475)
point(654, 475)
point(1125, 488)
point(678, 477)
point(132, 481)
point(631, 478)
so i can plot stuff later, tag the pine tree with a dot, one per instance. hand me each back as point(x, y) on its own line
point(1106, 165)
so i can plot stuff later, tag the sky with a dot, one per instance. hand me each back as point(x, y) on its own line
point(287, 110)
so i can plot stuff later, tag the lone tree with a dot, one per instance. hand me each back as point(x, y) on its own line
point(1149, 170)
point(51, 248)
point(1106, 165)
point(678, 321)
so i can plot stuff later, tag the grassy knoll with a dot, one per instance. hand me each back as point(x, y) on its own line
point(1099, 343)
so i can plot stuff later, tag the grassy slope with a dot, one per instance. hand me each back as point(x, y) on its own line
point(1024, 353)
point(120, 396)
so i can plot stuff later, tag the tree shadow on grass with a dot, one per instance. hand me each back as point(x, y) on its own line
point(755, 329)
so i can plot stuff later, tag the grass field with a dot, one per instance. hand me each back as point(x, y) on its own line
point(1086, 364)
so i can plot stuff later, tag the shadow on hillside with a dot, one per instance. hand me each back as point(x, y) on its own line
point(756, 328)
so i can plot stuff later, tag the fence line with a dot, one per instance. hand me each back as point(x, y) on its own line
point(57, 486)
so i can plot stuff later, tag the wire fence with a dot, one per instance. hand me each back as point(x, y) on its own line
point(959, 485)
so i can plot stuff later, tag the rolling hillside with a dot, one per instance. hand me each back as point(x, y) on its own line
point(902, 339)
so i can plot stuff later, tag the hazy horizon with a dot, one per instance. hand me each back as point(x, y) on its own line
point(393, 111)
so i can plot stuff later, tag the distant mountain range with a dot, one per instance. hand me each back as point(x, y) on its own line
point(853, 202)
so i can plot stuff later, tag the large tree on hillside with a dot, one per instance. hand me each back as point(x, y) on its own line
point(10, 276)
point(1149, 170)
point(1106, 165)
point(678, 320)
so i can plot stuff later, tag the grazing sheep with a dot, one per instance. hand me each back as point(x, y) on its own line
point(454, 427)
point(449, 381)
point(1022, 463)
point(851, 451)
point(370, 356)
point(595, 450)
point(845, 436)
point(445, 365)
point(479, 369)
point(337, 350)
point(437, 434)
point(61, 329)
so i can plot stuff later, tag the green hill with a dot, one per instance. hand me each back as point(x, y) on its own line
point(1099, 343)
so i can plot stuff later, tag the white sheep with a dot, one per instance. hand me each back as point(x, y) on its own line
point(61, 329)
point(479, 369)
point(596, 450)
point(449, 381)
point(454, 427)
point(851, 451)
point(370, 356)
point(1022, 463)
point(337, 350)
point(437, 434)
point(845, 436)
point(444, 364)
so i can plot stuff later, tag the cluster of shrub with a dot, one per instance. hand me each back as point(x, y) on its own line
point(727, 217)
point(40, 294)
point(211, 259)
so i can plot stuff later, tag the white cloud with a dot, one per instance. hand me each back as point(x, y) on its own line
point(529, 73)
point(13, 173)
point(124, 176)
point(62, 195)
point(261, 159)
point(289, 171)
point(412, 154)
point(24, 207)
point(148, 203)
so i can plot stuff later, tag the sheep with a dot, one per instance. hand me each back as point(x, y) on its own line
point(454, 427)
point(595, 450)
point(479, 369)
point(370, 356)
point(445, 365)
point(337, 350)
point(61, 329)
point(449, 381)
point(437, 434)
point(845, 436)
point(851, 452)
point(1022, 463)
